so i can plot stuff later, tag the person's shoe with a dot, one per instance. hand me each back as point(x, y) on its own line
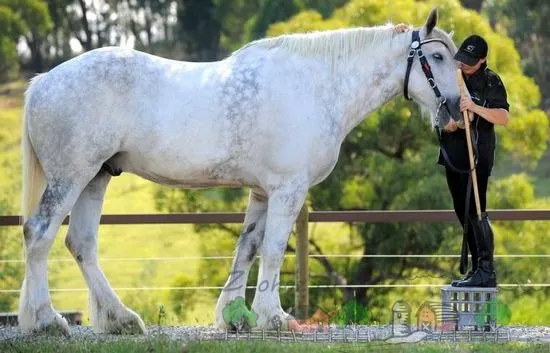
point(484, 276)
point(467, 277)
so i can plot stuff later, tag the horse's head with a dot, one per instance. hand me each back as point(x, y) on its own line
point(430, 78)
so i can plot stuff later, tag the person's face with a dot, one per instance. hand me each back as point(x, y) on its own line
point(470, 70)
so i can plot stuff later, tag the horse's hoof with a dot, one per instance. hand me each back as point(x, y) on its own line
point(275, 319)
point(54, 325)
point(123, 322)
point(131, 327)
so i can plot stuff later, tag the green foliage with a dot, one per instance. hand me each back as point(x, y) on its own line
point(352, 313)
point(182, 300)
point(388, 161)
point(272, 11)
point(527, 23)
point(526, 135)
point(513, 192)
point(9, 64)
point(29, 18)
point(200, 17)
point(11, 26)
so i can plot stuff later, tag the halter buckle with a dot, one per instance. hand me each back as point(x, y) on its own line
point(432, 83)
point(415, 44)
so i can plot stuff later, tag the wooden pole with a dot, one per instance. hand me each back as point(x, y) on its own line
point(470, 149)
point(301, 294)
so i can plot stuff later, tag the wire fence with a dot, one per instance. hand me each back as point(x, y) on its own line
point(200, 258)
point(325, 216)
point(322, 286)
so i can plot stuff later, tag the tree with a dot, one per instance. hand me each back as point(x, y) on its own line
point(473, 4)
point(383, 162)
point(527, 23)
point(37, 23)
point(272, 11)
point(28, 18)
point(11, 26)
point(199, 28)
point(388, 163)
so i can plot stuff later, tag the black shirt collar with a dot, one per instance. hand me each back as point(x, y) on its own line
point(478, 79)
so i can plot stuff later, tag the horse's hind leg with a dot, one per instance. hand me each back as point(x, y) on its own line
point(35, 309)
point(107, 312)
point(248, 244)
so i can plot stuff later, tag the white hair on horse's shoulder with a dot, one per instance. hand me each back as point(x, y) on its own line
point(337, 43)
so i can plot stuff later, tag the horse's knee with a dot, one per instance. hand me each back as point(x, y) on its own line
point(80, 246)
point(69, 244)
point(35, 234)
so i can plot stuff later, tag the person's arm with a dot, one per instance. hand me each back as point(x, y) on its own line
point(497, 116)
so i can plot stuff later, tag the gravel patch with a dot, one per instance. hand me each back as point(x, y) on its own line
point(350, 334)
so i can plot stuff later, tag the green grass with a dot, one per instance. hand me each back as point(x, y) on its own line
point(162, 346)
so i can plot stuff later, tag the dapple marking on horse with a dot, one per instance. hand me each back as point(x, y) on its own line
point(272, 116)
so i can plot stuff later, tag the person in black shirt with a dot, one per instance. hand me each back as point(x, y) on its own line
point(488, 106)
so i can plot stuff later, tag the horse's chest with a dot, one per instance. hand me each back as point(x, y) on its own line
point(324, 161)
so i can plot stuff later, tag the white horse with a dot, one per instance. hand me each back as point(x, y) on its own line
point(272, 117)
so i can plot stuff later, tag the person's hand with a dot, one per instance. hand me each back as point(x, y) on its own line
point(466, 103)
point(401, 28)
point(451, 126)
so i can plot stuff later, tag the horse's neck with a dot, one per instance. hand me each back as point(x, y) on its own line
point(365, 86)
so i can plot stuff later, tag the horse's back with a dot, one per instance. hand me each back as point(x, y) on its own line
point(172, 120)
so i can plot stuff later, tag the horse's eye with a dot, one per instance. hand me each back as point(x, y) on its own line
point(438, 56)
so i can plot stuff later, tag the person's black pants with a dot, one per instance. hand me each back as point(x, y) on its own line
point(458, 184)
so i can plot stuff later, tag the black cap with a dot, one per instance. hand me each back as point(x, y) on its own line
point(472, 49)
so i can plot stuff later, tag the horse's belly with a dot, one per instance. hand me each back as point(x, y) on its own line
point(190, 183)
point(181, 171)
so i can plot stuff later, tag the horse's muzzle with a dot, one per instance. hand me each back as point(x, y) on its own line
point(451, 126)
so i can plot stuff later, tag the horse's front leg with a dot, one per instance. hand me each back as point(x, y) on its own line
point(284, 205)
point(231, 310)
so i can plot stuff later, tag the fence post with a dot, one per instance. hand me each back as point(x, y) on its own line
point(301, 294)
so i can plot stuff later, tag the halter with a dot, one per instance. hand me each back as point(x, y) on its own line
point(415, 48)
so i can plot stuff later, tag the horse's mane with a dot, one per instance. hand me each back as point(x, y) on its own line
point(338, 44)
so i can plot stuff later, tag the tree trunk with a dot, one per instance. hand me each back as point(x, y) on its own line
point(36, 55)
point(87, 41)
point(473, 4)
point(363, 276)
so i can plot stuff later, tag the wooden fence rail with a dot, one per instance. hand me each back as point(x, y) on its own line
point(316, 216)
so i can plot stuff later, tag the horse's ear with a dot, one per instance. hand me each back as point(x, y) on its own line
point(431, 21)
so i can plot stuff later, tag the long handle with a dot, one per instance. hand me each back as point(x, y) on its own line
point(469, 142)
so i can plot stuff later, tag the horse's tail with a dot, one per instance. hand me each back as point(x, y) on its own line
point(33, 178)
